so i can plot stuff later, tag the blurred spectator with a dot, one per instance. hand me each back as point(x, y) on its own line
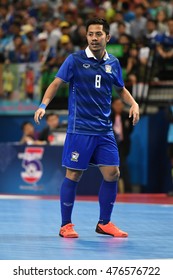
point(151, 33)
point(13, 48)
point(132, 68)
point(29, 36)
point(78, 22)
point(4, 40)
point(129, 58)
point(128, 14)
point(70, 17)
point(85, 11)
point(6, 16)
point(65, 28)
point(14, 29)
point(44, 13)
point(47, 54)
point(50, 132)
point(31, 18)
point(138, 25)
point(53, 33)
point(122, 128)
point(66, 6)
point(164, 53)
point(24, 55)
point(79, 37)
point(121, 29)
point(8, 79)
point(100, 12)
point(166, 39)
point(144, 53)
point(154, 8)
point(111, 9)
point(65, 47)
point(30, 8)
point(9, 38)
point(29, 82)
point(118, 17)
point(169, 8)
point(30, 135)
point(161, 19)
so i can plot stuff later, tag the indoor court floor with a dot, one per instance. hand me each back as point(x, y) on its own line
point(29, 227)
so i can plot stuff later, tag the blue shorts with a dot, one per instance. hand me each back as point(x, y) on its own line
point(83, 150)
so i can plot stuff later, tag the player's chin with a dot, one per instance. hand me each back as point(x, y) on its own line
point(94, 48)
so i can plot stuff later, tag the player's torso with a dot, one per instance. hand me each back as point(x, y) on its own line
point(91, 93)
point(94, 75)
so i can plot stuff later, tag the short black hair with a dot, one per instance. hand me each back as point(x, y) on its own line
point(51, 114)
point(25, 123)
point(100, 21)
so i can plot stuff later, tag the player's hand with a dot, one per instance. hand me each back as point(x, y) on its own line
point(38, 115)
point(134, 111)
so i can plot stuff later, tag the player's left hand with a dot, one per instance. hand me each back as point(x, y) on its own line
point(134, 111)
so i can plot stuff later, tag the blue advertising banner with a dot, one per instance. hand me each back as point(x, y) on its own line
point(37, 170)
point(32, 170)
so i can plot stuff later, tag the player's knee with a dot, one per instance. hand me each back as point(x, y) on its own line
point(112, 176)
point(74, 175)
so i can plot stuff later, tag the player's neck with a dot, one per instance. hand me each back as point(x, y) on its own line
point(99, 54)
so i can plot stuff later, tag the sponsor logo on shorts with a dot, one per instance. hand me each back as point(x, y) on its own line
point(74, 156)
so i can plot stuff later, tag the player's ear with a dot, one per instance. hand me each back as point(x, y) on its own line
point(108, 38)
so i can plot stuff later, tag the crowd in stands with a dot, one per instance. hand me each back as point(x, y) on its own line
point(48, 31)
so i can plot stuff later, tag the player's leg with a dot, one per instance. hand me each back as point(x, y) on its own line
point(76, 155)
point(67, 199)
point(68, 193)
point(108, 192)
point(106, 156)
point(107, 197)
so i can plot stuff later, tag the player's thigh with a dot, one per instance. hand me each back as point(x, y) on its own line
point(78, 150)
point(106, 153)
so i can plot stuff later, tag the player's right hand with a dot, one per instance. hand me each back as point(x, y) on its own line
point(38, 115)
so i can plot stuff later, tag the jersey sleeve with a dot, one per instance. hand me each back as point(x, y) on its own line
point(65, 72)
point(118, 78)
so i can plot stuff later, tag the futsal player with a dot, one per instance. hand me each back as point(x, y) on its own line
point(91, 74)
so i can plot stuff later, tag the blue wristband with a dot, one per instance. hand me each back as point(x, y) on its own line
point(42, 106)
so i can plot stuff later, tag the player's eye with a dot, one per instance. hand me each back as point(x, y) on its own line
point(98, 34)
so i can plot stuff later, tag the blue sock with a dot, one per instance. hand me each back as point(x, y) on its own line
point(67, 198)
point(107, 196)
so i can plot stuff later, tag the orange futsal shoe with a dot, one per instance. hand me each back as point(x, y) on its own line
point(110, 229)
point(67, 231)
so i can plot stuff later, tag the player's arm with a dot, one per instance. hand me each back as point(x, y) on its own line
point(134, 107)
point(48, 96)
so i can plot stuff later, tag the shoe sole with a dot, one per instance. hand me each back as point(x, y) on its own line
point(70, 236)
point(100, 231)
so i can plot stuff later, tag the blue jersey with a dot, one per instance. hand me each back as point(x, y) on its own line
point(90, 91)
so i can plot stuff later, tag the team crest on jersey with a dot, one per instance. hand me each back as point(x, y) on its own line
point(108, 68)
point(74, 156)
point(85, 65)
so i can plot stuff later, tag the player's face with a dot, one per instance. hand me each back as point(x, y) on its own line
point(97, 38)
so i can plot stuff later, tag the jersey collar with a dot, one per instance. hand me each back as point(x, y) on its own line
point(90, 54)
